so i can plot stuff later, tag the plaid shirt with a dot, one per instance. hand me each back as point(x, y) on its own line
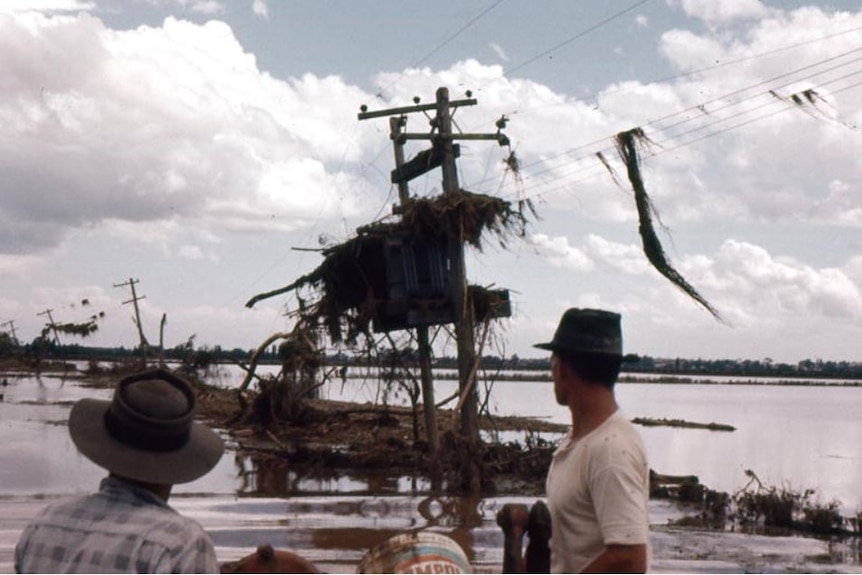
point(120, 529)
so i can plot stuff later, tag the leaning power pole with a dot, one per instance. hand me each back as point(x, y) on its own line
point(51, 324)
point(134, 300)
point(11, 324)
point(443, 154)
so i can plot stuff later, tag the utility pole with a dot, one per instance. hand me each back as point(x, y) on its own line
point(425, 375)
point(162, 338)
point(458, 280)
point(51, 324)
point(443, 154)
point(11, 324)
point(143, 340)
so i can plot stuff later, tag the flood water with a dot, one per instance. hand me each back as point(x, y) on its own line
point(789, 436)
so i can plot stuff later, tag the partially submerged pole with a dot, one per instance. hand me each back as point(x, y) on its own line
point(426, 377)
point(469, 415)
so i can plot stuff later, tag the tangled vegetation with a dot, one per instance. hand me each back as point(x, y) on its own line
point(392, 276)
point(758, 507)
point(351, 282)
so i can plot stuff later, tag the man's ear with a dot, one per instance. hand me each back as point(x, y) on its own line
point(558, 366)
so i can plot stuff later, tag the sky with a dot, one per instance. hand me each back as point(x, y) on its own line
point(207, 150)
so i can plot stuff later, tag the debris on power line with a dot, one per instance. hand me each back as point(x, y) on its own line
point(627, 145)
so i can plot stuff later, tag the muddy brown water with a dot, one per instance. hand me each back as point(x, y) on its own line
point(334, 520)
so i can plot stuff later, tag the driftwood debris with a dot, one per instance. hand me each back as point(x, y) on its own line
point(663, 422)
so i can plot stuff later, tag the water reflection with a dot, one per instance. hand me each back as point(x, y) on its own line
point(27, 389)
point(333, 517)
point(263, 475)
point(802, 436)
point(356, 511)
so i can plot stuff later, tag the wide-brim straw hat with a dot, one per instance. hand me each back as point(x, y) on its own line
point(147, 431)
point(592, 331)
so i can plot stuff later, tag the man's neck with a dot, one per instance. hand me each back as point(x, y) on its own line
point(159, 490)
point(591, 411)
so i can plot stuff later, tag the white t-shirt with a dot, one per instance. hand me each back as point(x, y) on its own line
point(598, 494)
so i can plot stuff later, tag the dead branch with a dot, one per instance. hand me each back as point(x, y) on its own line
point(252, 366)
point(471, 378)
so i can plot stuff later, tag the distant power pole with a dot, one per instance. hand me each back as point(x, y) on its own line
point(51, 324)
point(11, 324)
point(135, 298)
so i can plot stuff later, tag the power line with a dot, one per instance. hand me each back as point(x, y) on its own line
point(442, 45)
point(770, 80)
point(702, 110)
point(554, 48)
point(741, 60)
point(596, 168)
point(683, 138)
point(577, 36)
point(456, 34)
point(705, 69)
point(578, 170)
point(774, 99)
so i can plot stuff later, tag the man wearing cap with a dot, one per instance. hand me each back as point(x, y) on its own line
point(598, 482)
point(147, 439)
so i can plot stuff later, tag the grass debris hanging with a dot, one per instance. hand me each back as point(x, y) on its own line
point(351, 280)
point(441, 217)
point(627, 147)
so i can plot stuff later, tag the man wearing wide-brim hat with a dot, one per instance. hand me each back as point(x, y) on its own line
point(147, 439)
point(598, 482)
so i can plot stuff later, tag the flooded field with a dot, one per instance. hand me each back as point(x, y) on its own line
point(333, 520)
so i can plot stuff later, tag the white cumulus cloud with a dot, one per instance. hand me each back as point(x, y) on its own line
point(181, 120)
point(721, 11)
point(560, 254)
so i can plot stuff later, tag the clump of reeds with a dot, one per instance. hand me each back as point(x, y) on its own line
point(786, 508)
point(756, 506)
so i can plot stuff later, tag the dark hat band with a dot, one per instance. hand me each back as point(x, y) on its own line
point(125, 423)
point(146, 441)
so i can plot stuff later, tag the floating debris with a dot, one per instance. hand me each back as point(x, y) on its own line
point(662, 422)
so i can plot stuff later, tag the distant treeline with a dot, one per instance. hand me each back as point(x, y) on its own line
point(807, 368)
point(50, 350)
